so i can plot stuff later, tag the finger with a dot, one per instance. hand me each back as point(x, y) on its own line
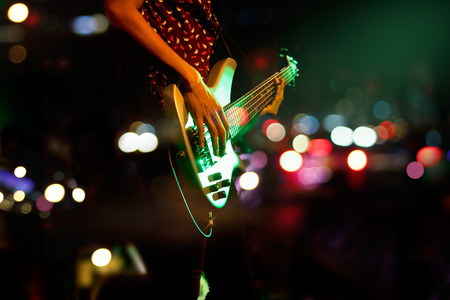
point(213, 134)
point(224, 120)
point(221, 133)
point(201, 133)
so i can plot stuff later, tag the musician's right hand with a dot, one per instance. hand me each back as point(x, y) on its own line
point(206, 109)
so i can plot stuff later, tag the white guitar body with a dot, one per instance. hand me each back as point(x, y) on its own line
point(213, 173)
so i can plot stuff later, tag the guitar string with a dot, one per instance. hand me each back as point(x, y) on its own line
point(255, 106)
point(248, 95)
point(266, 93)
point(261, 90)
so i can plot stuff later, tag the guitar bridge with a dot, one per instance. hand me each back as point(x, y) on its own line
point(203, 158)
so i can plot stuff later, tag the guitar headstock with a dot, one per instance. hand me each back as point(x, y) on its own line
point(292, 65)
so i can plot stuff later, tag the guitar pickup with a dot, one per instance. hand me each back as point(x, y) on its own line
point(219, 195)
point(223, 183)
point(214, 177)
point(211, 188)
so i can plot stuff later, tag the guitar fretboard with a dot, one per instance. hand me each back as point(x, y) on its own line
point(242, 111)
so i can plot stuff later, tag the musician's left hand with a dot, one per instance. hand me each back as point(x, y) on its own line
point(279, 96)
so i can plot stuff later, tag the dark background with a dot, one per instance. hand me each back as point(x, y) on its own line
point(372, 235)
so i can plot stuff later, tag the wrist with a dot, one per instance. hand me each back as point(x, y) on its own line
point(190, 79)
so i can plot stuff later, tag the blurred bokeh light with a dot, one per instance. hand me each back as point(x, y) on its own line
point(18, 12)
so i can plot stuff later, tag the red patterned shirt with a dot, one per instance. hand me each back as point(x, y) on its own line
point(189, 27)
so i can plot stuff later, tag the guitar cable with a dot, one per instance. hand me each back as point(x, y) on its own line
point(207, 235)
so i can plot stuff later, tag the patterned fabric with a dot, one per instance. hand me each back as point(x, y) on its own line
point(189, 27)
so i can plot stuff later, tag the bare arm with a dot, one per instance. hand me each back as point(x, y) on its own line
point(201, 103)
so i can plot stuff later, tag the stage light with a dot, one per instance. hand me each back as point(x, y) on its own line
point(414, 170)
point(357, 160)
point(332, 121)
point(386, 130)
point(129, 142)
point(433, 138)
point(342, 136)
point(17, 54)
point(26, 208)
point(144, 128)
point(148, 142)
point(305, 124)
point(84, 25)
point(312, 176)
point(18, 13)
point(20, 172)
point(78, 195)
point(364, 136)
point(291, 161)
point(382, 110)
point(43, 205)
point(101, 257)
point(1, 197)
point(258, 159)
point(429, 156)
point(249, 181)
point(19, 196)
point(320, 147)
point(267, 123)
point(301, 143)
point(54, 193)
point(102, 23)
point(275, 132)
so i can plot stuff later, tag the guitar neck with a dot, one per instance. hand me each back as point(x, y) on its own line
point(242, 111)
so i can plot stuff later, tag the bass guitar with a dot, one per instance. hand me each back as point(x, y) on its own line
point(213, 173)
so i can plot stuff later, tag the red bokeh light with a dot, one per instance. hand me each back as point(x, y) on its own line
point(320, 147)
point(386, 130)
point(429, 156)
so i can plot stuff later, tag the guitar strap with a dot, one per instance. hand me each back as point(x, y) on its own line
point(207, 235)
point(223, 33)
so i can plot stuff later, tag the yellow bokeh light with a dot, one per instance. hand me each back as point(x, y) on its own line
point(148, 142)
point(301, 143)
point(19, 196)
point(20, 172)
point(78, 195)
point(54, 193)
point(249, 181)
point(128, 142)
point(357, 160)
point(17, 54)
point(18, 13)
point(26, 208)
point(291, 161)
point(101, 257)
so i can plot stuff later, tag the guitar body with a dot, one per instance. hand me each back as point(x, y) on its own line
point(211, 173)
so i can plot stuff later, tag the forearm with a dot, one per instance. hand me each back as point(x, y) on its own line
point(125, 16)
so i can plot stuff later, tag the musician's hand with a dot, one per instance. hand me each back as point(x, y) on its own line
point(205, 108)
point(279, 96)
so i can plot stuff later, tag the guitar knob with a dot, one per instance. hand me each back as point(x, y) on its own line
point(214, 177)
point(211, 188)
point(219, 195)
point(224, 183)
